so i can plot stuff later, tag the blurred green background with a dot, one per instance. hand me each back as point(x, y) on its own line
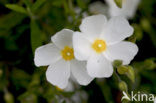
point(28, 24)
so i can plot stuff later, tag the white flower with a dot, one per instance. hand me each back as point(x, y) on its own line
point(60, 58)
point(98, 8)
point(100, 42)
point(69, 88)
point(128, 9)
point(154, 100)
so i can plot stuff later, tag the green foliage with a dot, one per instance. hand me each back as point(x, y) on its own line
point(35, 32)
point(37, 5)
point(16, 8)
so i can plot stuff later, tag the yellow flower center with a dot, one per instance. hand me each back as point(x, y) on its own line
point(67, 53)
point(99, 46)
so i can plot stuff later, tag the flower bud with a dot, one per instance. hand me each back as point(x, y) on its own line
point(1, 72)
point(123, 86)
point(149, 64)
point(122, 70)
point(117, 63)
point(138, 33)
point(131, 74)
point(8, 97)
point(118, 3)
point(145, 24)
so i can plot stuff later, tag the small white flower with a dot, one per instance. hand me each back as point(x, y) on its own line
point(69, 88)
point(100, 42)
point(98, 8)
point(154, 100)
point(59, 55)
point(128, 9)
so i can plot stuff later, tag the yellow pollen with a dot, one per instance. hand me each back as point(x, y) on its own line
point(99, 46)
point(67, 53)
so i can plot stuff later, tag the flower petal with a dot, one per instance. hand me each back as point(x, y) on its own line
point(128, 8)
point(92, 26)
point(63, 38)
point(46, 55)
point(82, 47)
point(59, 73)
point(124, 51)
point(70, 87)
point(99, 66)
point(79, 71)
point(117, 29)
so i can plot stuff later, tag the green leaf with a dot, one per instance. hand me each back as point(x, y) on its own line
point(37, 5)
point(16, 8)
point(20, 78)
point(36, 40)
point(10, 20)
point(57, 3)
point(81, 3)
point(28, 3)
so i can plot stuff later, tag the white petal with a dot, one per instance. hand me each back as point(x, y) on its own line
point(92, 26)
point(98, 7)
point(124, 51)
point(79, 71)
point(117, 29)
point(59, 73)
point(128, 8)
point(46, 55)
point(69, 87)
point(82, 46)
point(63, 38)
point(99, 66)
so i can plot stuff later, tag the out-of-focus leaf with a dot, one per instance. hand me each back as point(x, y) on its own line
point(28, 98)
point(36, 40)
point(16, 8)
point(81, 3)
point(20, 78)
point(58, 3)
point(106, 90)
point(10, 20)
point(28, 3)
point(10, 44)
point(37, 5)
point(138, 32)
point(146, 25)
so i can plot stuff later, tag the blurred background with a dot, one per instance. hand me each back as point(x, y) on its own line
point(28, 24)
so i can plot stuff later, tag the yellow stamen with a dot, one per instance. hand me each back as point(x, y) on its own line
point(99, 46)
point(67, 53)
